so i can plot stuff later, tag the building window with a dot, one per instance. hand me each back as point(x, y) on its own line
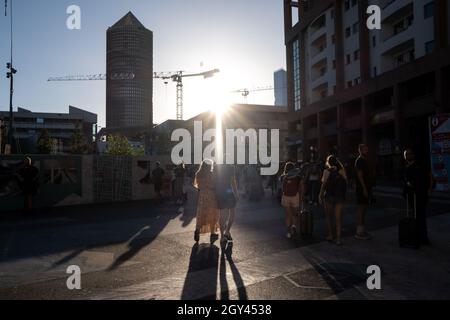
point(374, 41)
point(399, 27)
point(410, 21)
point(347, 5)
point(323, 70)
point(429, 47)
point(356, 55)
point(334, 89)
point(348, 59)
point(356, 28)
point(428, 10)
point(296, 74)
point(334, 64)
point(332, 13)
point(40, 121)
point(333, 39)
point(348, 32)
point(375, 71)
point(357, 81)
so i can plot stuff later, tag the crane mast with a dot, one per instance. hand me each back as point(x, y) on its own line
point(176, 76)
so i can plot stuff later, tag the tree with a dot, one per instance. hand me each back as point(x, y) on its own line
point(119, 146)
point(45, 143)
point(78, 143)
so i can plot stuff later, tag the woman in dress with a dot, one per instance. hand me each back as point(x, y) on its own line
point(207, 211)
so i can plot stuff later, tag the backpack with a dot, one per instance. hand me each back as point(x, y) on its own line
point(336, 184)
point(290, 186)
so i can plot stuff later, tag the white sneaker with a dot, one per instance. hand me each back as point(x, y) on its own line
point(289, 235)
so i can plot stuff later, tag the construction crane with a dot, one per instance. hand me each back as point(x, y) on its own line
point(246, 92)
point(176, 76)
point(95, 77)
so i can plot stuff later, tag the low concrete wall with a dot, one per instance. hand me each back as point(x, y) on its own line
point(76, 180)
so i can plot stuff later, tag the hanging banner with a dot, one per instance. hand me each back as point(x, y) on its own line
point(440, 150)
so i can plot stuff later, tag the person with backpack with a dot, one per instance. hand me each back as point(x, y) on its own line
point(313, 178)
point(292, 192)
point(332, 196)
point(227, 196)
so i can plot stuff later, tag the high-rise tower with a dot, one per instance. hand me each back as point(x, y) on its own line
point(129, 102)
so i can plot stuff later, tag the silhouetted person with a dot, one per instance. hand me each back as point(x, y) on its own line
point(227, 196)
point(178, 188)
point(29, 183)
point(417, 187)
point(333, 195)
point(363, 190)
point(157, 177)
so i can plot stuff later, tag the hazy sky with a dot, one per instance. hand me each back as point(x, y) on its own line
point(243, 38)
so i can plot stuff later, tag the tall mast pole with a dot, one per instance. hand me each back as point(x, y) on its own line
point(10, 75)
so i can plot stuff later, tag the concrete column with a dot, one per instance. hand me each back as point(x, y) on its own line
point(398, 101)
point(440, 24)
point(320, 139)
point(364, 41)
point(340, 130)
point(365, 121)
point(287, 16)
point(339, 45)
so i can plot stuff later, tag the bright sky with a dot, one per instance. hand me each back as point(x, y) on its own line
point(242, 38)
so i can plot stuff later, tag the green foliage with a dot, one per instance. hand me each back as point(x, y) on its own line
point(120, 146)
point(45, 143)
point(78, 143)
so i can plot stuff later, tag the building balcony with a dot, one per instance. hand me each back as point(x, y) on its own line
point(312, 133)
point(320, 82)
point(392, 7)
point(330, 129)
point(353, 123)
point(399, 40)
point(316, 35)
point(318, 57)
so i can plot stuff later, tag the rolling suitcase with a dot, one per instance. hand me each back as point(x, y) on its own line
point(306, 222)
point(407, 228)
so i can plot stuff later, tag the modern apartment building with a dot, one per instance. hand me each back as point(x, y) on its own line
point(348, 84)
point(60, 127)
point(129, 102)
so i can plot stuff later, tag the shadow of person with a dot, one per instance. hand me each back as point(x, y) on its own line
point(227, 255)
point(201, 277)
point(190, 207)
point(136, 244)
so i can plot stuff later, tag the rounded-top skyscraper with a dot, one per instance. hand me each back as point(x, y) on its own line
point(129, 102)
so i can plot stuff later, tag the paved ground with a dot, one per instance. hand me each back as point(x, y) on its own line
point(139, 251)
